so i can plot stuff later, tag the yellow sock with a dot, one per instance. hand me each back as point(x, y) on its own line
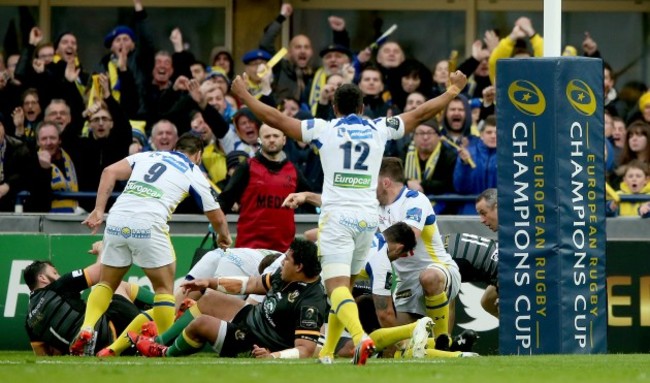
point(98, 301)
point(133, 291)
point(385, 337)
point(334, 331)
point(437, 308)
point(431, 343)
point(428, 353)
point(433, 353)
point(163, 311)
point(346, 310)
point(122, 342)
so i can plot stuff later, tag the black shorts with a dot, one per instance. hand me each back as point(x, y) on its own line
point(121, 312)
point(238, 338)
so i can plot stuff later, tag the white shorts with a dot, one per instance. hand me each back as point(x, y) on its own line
point(129, 240)
point(344, 239)
point(207, 266)
point(409, 296)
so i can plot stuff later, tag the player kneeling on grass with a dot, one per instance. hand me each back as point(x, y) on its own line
point(285, 325)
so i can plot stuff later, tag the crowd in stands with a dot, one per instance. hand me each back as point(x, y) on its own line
point(60, 125)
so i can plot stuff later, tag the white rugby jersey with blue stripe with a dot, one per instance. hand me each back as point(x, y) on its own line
point(415, 209)
point(159, 182)
point(351, 149)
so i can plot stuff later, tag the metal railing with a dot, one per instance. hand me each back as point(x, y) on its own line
point(21, 196)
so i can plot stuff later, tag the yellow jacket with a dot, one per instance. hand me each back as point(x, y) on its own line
point(630, 209)
point(505, 48)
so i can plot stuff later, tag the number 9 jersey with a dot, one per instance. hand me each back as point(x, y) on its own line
point(351, 149)
point(159, 182)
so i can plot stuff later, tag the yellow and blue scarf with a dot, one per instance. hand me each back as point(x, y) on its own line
point(412, 163)
point(64, 182)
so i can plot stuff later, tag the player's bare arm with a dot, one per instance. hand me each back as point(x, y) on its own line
point(227, 285)
point(434, 106)
point(270, 116)
point(218, 221)
point(303, 349)
point(385, 310)
point(119, 171)
point(295, 200)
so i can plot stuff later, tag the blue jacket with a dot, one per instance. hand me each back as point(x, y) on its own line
point(474, 181)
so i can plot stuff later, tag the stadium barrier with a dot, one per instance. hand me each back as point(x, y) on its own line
point(628, 277)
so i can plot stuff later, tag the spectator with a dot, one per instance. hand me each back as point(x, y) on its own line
point(515, 46)
point(108, 142)
point(619, 136)
point(636, 148)
point(440, 78)
point(164, 136)
point(259, 187)
point(334, 56)
point(324, 108)
point(429, 164)
point(213, 160)
point(244, 135)
point(27, 116)
point(477, 69)
point(372, 86)
point(473, 180)
point(307, 159)
point(233, 160)
point(413, 77)
point(457, 121)
point(222, 58)
point(57, 166)
point(252, 60)
point(635, 182)
point(293, 75)
point(139, 57)
point(17, 165)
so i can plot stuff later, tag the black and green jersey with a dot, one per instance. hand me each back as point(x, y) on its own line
point(289, 311)
point(477, 257)
point(56, 312)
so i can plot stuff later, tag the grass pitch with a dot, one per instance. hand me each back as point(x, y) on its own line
point(24, 367)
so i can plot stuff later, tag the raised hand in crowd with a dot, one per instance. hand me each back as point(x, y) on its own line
point(286, 10)
point(71, 71)
point(181, 84)
point(526, 25)
point(478, 52)
point(336, 23)
point(137, 5)
point(92, 109)
point(38, 65)
point(517, 33)
point(122, 59)
point(44, 159)
point(365, 55)
point(35, 36)
point(489, 94)
point(198, 93)
point(18, 116)
point(176, 38)
point(589, 45)
point(491, 40)
point(327, 94)
point(348, 72)
point(104, 85)
point(266, 79)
